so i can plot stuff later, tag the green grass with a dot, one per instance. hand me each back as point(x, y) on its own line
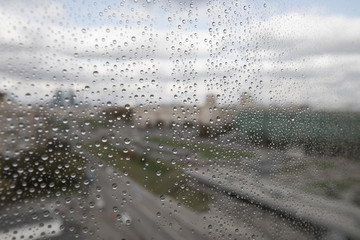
point(333, 188)
point(205, 150)
point(324, 164)
point(303, 166)
point(159, 177)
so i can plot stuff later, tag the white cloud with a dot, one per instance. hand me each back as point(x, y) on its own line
point(291, 57)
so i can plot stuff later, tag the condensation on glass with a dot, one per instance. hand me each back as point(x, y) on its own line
point(179, 120)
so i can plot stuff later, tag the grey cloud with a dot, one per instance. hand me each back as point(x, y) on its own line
point(236, 54)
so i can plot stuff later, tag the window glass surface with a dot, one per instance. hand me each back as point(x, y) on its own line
point(179, 119)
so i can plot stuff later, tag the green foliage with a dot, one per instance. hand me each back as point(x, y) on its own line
point(208, 131)
point(204, 131)
point(333, 188)
point(330, 133)
point(45, 170)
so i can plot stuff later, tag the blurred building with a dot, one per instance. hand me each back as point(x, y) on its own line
point(246, 101)
point(167, 115)
point(63, 98)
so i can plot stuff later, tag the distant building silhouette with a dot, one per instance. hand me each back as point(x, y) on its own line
point(246, 101)
point(63, 98)
point(208, 114)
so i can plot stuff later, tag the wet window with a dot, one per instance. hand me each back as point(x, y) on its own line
point(179, 119)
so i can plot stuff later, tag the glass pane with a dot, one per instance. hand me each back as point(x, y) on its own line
point(179, 119)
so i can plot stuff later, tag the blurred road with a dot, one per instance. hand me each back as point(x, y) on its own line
point(112, 195)
point(151, 217)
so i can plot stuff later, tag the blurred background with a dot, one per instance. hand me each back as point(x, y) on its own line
point(179, 119)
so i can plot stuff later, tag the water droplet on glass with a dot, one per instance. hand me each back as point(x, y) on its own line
point(162, 197)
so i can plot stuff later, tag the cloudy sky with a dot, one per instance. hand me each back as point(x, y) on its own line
point(282, 52)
